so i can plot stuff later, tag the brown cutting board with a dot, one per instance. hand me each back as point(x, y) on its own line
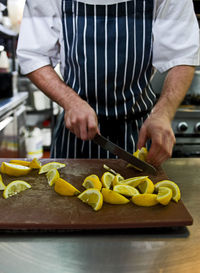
point(42, 208)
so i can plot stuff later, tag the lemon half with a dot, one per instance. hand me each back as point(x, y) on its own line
point(126, 190)
point(63, 187)
point(145, 200)
point(107, 179)
point(164, 195)
point(52, 176)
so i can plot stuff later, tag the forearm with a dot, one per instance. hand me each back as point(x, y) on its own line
point(47, 80)
point(175, 87)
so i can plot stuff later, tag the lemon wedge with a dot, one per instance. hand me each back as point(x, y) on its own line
point(93, 198)
point(164, 195)
point(107, 179)
point(20, 162)
point(145, 200)
point(64, 188)
point(147, 186)
point(176, 194)
point(133, 181)
point(52, 176)
point(35, 164)
point(118, 178)
point(2, 186)
point(14, 169)
point(141, 153)
point(92, 181)
point(113, 197)
point(15, 187)
point(51, 165)
point(126, 190)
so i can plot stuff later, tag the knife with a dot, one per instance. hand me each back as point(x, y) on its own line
point(121, 153)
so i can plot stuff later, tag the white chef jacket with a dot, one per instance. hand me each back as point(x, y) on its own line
point(175, 34)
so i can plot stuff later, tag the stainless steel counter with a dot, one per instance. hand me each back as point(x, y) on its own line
point(140, 251)
point(7, 104)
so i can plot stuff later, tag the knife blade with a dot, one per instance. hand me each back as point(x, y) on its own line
point(121, 153)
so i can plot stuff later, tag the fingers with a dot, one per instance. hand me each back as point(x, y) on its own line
point(161, 148)
point(84, 126)
point(142, 138)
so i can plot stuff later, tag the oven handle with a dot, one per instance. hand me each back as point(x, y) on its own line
point(5, 122)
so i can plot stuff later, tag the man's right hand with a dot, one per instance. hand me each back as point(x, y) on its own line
point(81, 119)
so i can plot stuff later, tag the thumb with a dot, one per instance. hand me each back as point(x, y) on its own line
point(142, 139)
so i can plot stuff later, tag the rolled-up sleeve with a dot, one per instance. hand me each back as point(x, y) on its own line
point(38, 43)
point(176, 36)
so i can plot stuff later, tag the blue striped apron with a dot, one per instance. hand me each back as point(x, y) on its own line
point(108, 57)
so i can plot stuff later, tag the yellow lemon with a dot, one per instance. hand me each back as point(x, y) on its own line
point(133, 181)
point(107, 179)
point(141, 153)
point(15, 187)
point(20, 162)
point(145, 200)
point(35, 164)
point(52, 176)
point(147, 186)
point(164, 195)
point(14, 169)
point(126, 190)
point(117, 178)
point(92, 181)
point(51, 165)
point(113, 197)
point(64, 188)
point(2, 186)
point(93, 198)
point(176, 194)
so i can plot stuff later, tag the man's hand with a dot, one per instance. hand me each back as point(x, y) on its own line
point(157, 126)
point(81, 119)
point(159, 130)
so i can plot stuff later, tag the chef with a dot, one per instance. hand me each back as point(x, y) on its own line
point(107, 51)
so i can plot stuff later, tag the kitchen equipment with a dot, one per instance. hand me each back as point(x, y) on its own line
point(121, 153)
point(41, 208)
point(12, 126)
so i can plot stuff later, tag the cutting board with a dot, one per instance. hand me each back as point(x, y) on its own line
point(42, 208)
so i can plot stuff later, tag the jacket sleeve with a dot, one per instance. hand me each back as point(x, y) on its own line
point(40, 31)
point(175, 35)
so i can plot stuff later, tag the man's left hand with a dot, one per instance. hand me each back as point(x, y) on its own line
point(159, 131)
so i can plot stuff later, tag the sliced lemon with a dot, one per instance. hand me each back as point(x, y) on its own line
point(92, 181)
point(2, 186)
point(133, 181)
point(107, 179)
point(93, 198)
point(147, 186)
point(15, 187)
point(118, 178)
point(164, 195)
point(20, 162)
point(176, 194)
point(63, 187)
point(126, 190)
point(51, 165)
point(145, 200)
point(14, 169)
point(35, 164)
point(52, 176)
point(113, 197)
point(141, 153)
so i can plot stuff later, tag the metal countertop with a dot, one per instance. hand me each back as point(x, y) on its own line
point(140, 251)
point(8, 104)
